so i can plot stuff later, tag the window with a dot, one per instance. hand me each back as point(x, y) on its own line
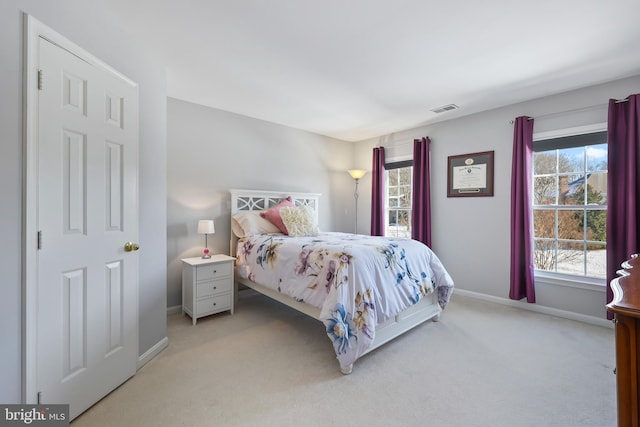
point(398, 186)
point(570, 205)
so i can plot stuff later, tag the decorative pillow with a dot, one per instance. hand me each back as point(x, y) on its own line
point(247, 223)
point(299, 220)
point(273, 214)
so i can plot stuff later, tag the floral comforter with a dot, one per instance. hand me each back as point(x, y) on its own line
point(357, 281)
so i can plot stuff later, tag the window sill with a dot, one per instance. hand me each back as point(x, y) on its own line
point(559, 279)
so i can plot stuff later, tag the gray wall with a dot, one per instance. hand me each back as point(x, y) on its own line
point(471, 235)
point(211, 151)
point(89, 25)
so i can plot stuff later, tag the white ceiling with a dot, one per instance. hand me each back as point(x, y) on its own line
point(357, 69)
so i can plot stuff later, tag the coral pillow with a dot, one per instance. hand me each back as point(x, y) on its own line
point(273, 214)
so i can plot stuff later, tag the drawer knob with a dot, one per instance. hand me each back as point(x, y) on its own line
point(214, 303)
point(215, 287)
point(215, 271)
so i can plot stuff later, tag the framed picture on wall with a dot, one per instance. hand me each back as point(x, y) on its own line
point(470, 175)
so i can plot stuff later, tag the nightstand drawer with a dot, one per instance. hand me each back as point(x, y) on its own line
point(214, 304)
point(207, 286)
point(213, 287)
point(212, 271)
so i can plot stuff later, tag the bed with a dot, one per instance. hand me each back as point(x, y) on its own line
point(366, 290)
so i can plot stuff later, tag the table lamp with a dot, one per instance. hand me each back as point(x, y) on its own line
point(206, 227)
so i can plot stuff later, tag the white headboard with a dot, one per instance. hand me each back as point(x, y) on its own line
point(258, 200)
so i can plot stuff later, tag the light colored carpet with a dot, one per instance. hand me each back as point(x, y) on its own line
point(483, 364)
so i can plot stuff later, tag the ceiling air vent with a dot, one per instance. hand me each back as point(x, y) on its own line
point(445, 108)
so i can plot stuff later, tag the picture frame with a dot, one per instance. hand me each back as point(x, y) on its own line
point(470, 175)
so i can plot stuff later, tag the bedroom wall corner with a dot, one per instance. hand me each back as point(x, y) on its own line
point(211, 151)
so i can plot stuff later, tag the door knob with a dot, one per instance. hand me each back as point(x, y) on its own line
point(130, 246)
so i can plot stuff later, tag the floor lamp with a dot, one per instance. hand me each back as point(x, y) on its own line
point(356, 174)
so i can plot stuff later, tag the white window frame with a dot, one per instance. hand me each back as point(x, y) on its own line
point(563, 279)
point(387, 208)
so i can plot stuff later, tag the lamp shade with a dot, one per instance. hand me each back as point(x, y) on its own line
point(205, 226)
point(357, 173)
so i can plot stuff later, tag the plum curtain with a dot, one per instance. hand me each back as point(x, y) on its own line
point(521, 277)
point(623, 188)
point(421, 197)
point(377, 193)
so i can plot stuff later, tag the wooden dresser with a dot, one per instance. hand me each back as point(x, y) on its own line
point(626, 308)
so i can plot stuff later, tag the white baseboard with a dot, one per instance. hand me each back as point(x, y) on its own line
point(152, 352)
point(499, 300)
point(174, 310)
point(537, 308)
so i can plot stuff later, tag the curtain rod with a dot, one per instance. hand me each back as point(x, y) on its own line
point(560, 113)
point(400, 144)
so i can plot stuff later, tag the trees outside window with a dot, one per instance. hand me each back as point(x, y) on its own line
point(569, 206)
point(398, 186)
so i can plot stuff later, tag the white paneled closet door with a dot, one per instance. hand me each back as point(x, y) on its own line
point(87, 218)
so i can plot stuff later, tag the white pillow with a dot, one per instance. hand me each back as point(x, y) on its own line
point(247, 223)
point(299, 220)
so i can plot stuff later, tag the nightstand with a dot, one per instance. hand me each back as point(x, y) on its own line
point(207, 285)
